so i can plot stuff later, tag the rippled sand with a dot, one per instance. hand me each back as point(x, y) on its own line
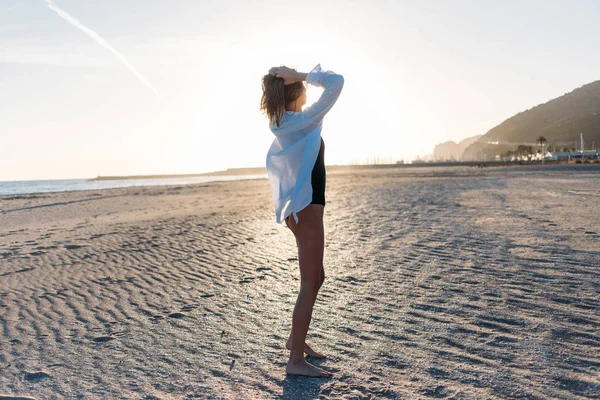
point(458, 283)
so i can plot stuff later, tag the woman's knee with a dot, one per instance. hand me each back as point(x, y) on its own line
point(313, 282)
point(311, 286)
point(321, 276)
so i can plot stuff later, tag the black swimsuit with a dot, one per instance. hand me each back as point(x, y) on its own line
point(318, 177)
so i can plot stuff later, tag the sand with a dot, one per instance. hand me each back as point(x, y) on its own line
point(459, 283)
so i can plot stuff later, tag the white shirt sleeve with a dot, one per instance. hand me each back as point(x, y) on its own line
point(332, 84)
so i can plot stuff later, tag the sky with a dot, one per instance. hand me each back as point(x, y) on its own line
point(157, 87)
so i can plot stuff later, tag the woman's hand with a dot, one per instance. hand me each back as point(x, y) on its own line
point(289, 75)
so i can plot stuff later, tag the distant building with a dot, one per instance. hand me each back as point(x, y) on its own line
point(574, 155)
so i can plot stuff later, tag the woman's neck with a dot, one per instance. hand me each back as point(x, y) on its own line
point(293, 107)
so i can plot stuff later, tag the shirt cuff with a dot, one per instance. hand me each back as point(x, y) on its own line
point(313, 75)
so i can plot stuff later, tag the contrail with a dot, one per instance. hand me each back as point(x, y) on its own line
point(67, 17)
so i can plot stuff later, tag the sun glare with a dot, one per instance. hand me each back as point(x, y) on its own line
point(312, 94)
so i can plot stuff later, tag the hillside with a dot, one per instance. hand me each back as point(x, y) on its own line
point(560, 121)
point(452, 151)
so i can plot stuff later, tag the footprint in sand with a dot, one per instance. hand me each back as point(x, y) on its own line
point(9, 397)
point(36, 376)
point(150, 397)
point(176, 315)
point(437, 373)
point(102, 339)
point(73, 246)
point(438, 391)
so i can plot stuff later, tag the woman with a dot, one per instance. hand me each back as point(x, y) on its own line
point(296, 169)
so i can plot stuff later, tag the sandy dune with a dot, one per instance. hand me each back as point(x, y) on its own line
point(458, 283)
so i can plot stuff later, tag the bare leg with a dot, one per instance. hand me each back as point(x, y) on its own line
point(307, 349)
point(310, 239)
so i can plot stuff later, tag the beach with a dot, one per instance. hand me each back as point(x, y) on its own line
point(458, 283)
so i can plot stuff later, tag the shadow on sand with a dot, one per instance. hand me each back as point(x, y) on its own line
point(303, 387)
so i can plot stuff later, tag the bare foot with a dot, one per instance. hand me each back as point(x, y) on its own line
point(305, 369)
point(310, 352)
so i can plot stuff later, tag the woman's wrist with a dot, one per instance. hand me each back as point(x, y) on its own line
point(301, 76)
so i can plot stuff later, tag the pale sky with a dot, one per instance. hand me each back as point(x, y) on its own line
point(417, 73)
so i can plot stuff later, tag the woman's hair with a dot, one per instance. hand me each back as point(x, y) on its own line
point(276, 95)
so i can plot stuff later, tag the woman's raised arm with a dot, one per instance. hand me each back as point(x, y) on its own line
point(332, 84)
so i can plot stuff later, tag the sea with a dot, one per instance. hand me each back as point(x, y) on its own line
point(66, 185)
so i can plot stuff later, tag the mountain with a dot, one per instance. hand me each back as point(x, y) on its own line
point(560, 121)
point(452, 151)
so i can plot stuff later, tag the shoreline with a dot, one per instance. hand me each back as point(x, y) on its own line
point(263, 171)
point(334, 169)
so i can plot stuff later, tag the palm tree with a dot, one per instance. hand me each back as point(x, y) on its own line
point(542, 141)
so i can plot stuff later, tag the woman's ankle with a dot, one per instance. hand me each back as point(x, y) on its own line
point(296, 359)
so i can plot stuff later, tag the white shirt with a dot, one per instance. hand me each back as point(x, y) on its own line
point(294, 150)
